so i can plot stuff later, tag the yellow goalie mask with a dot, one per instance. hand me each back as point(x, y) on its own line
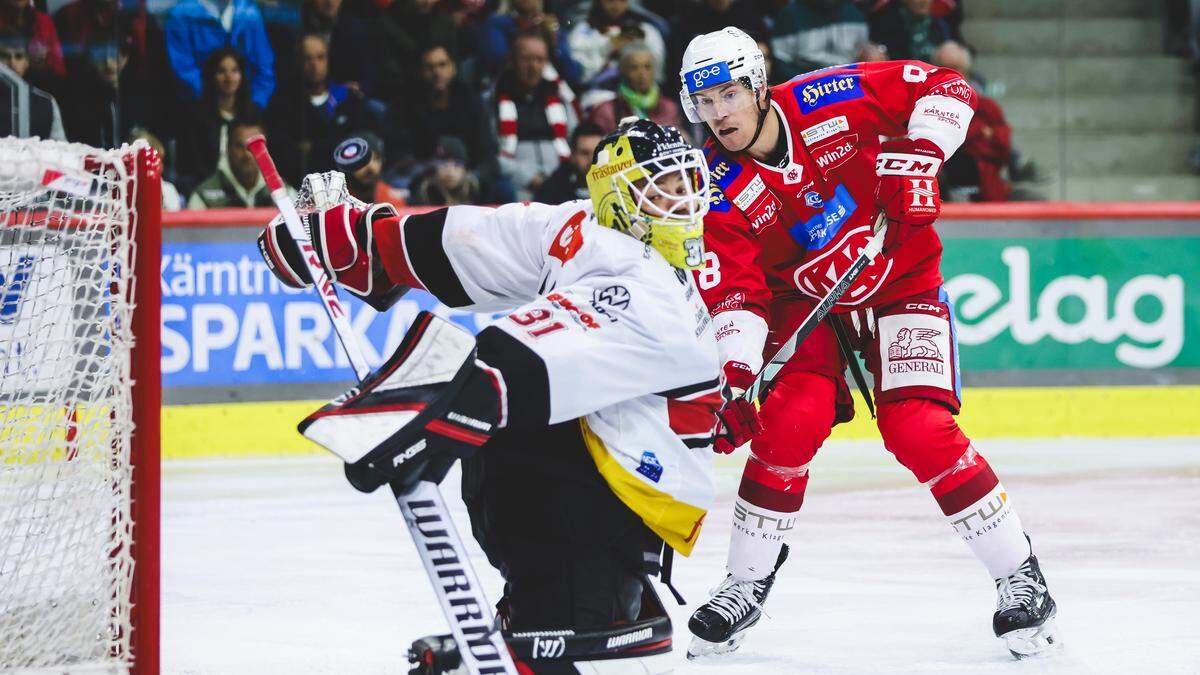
point(647, 181)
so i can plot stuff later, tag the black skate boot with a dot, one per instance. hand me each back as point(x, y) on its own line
point(1025, 612)
point(719, 626)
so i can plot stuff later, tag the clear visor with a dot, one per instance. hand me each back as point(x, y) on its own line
point(719, 102)
point(675, 191)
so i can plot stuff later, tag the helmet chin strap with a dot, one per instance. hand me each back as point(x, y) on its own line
point(762, 119)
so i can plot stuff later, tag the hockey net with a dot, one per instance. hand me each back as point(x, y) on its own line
point(79, 242)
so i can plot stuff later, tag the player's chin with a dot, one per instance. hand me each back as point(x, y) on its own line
point(730, 137)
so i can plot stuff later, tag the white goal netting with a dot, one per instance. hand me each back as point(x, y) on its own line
point(66, 258)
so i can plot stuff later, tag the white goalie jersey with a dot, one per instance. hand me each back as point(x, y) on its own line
point(625, 339)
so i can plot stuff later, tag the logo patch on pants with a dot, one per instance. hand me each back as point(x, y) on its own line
point(915, 352)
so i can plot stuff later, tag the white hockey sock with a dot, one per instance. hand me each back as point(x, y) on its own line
point(993, 530)
point(754, 542)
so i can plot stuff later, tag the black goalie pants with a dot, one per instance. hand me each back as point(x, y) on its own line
point(571, 553)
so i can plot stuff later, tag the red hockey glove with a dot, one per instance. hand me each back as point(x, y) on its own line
point(342, 242)
point(738, 419)
point(908, 188)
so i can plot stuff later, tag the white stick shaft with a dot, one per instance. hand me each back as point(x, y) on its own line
point(337, 311)
point(464, 604)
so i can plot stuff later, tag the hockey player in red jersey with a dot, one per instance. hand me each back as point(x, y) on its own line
point(799, 173)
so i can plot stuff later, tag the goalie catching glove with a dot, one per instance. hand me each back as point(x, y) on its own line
point(430, 403)
point(343, 242)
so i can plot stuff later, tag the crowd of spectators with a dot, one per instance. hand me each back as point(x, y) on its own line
point(446, 101)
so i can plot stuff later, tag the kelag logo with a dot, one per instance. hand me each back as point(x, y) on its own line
point(227, 321)
point(1075, 303)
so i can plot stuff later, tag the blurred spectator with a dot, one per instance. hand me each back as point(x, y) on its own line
point(909, 30)
point(352, 49)
point(309, 121)
point(171, 200)
point(404, 27)
point(637, 93)
point(611, 25)
point(871, 53)
point(817, 34)
point(194, 28)
point(93, 112)
point(449, 182)
point(145, 75)
point(976, 171)
point(237, 181)
point(46, 66)
point(697, 17)
point(204, 131)
point(569, 180)
point(519, 16)
point(29, 111)
point(442, 104)
point(533, 115)
point(360, 157)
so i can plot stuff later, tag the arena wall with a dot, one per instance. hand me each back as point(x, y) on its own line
point(1072, 320)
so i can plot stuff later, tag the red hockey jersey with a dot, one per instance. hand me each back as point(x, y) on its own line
point(774, 231)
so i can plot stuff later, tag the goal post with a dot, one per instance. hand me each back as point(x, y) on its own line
point(80, 399)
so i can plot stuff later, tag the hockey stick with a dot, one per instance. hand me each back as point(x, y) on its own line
point(441, 549)
point(818, 313)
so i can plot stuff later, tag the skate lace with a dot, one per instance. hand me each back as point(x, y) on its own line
point(1017, 590)
point(733, 599)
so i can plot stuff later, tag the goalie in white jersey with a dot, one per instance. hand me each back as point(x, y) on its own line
point(584, 416)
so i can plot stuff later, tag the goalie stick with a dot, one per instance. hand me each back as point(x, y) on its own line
point(437, 540)
point(818, 313)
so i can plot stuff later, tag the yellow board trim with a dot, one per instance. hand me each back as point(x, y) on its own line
point(264, 429)
point(678, 523)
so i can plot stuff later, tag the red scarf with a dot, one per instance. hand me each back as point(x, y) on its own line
point(556, 115)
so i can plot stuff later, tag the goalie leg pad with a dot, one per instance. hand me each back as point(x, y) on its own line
point(431, 400)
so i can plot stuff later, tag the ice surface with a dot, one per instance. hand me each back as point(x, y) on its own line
point(280, 567)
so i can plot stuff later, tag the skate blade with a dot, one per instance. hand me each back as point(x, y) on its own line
point(1027, 643)
point(701, 650)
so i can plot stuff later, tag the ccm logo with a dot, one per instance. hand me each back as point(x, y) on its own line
point(923, 306)
point(904, 164)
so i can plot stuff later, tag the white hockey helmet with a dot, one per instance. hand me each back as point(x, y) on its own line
point(718, 57)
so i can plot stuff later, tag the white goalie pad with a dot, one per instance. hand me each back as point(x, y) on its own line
point(414, 377)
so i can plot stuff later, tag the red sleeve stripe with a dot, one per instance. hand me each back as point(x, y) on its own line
point(389, 241)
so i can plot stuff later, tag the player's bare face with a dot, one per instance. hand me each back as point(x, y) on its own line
point(730, 112)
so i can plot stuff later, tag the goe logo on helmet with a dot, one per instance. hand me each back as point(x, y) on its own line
point(705, 77)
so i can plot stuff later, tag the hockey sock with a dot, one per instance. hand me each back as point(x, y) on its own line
point(978, 508)
point(763, 514)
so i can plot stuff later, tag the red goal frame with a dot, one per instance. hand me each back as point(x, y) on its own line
point(145, 453)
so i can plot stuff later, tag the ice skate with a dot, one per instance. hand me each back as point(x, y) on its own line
point(720, 625)
point(1025, 612)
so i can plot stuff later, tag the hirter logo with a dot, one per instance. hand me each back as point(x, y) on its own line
point(915, 343)
point(828, 90)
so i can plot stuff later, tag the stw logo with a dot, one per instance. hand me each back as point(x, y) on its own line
point(923, 193)
point(915, 343)
point(12, 288)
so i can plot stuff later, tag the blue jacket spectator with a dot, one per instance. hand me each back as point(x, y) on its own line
point(196, 27)
point(519, 16)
